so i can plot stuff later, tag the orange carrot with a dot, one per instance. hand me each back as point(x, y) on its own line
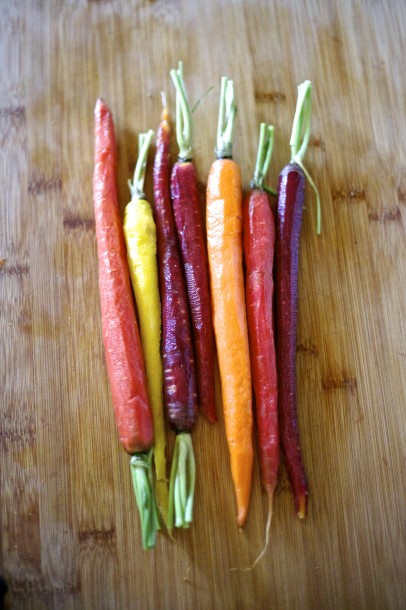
point(224, 237)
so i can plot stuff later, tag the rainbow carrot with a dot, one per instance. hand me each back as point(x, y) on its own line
point(225, 252)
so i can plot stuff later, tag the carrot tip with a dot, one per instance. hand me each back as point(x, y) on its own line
point(165, 111)
point(211, 417)
point(241, 518)
point(170, 535)
point(302, 506)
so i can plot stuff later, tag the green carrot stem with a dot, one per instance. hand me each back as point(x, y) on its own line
point(301, 121)
point(201, 98)
point(179, 512)
point(300, 139)
point(225, 126)
point(171, 503)
point(182, 483)
point(182, 480)
point(270, 190)
point(137, 185)
point(191, 480)
point(264, 154)
point(184, 124)
point(142, 479)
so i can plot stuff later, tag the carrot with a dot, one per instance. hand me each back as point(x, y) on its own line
point(122, 345)
point(291, 194)
point(259, 241)
point(177, 346)
point(140, 237)
point(185, 202)
point(224, 238)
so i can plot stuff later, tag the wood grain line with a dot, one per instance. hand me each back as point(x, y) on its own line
point(344, 382)
point(43, 184)
point(22, 586)
point(97, 535)
point(351, 194)
point(17, 270)
point(73, 222)
point(21, 436)
point(275, 97)
point(13, 112)
point(307, 348)
point(386, 215)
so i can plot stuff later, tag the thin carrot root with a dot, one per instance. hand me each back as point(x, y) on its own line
point(269, 491)
point(302, 506)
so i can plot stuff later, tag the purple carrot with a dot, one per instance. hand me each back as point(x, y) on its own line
point(177, 346)
point(291, 195)
point(185, 202)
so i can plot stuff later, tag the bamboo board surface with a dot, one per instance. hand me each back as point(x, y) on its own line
point(70, 536)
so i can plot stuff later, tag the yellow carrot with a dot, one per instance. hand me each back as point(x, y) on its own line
point(140, 236)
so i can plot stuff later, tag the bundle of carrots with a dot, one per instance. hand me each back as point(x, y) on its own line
point(192, 295)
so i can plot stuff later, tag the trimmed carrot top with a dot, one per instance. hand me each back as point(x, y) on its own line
point(264, 154)
point(300, 137)
point(225, 126)
point(137, 185)
point(184, 123)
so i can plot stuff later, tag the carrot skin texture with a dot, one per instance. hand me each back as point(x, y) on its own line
point(259, 244)
point(122, 345)
point(224, 237)
point(185, 202)
point(291, 192)
point(177, 346)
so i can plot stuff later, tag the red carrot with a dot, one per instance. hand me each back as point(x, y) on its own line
point(291, 194)
point(259, 241)
point(179, 368)
point(185, 202)
point(122, 345)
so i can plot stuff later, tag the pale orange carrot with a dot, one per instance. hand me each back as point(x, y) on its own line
point(225, 252)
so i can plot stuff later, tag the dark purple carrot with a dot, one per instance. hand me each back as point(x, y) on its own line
point(185, 202)
point(291, 195)
point(177, 346)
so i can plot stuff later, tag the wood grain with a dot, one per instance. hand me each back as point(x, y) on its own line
point(70, 535)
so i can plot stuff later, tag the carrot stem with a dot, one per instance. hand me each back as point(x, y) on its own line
point(227, 112)
point(265, 146)
point(182, 483)
point(270, 190)
point(137, 185)
point(300, 137)
point(141, 472)
point(301, 122)
point(184, 123)
point(201, 98)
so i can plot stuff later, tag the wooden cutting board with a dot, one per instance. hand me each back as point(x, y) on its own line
point(70, 536)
